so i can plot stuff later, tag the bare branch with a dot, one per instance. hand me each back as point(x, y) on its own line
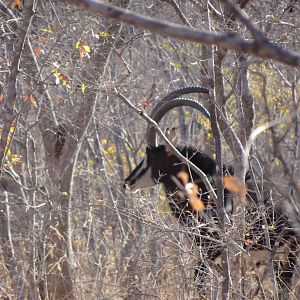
point(244, 19)
point(179, 12)
point(263, 128)
point(264, 49)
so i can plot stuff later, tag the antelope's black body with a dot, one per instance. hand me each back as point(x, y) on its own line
point(266, 228)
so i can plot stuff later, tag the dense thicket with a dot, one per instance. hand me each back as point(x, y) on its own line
point(68, 228)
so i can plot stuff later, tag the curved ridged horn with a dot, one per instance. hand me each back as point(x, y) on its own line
point(185, 91)
point(172, 101)
point(180, 92)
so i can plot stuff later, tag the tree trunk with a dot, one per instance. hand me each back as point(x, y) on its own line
point(62, 144)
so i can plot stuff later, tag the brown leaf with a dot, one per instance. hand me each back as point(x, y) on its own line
point(17, 4)
point(30, 99)
point(145, 104)
point(38, 51)
point(184, 176)
point(234, 185)
point(192, 192)
point(248, 242)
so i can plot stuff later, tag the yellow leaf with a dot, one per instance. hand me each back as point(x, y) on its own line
point(78, 44)
point(65, 194)
point(9, 165)
point(82, 88)
point(77, 243)
point(86, 49)
point(32, 101)
point(47, 30)
point(58, 267)
point(15, 158)
point(103, 34)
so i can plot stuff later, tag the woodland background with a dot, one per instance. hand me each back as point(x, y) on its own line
point(68, 229)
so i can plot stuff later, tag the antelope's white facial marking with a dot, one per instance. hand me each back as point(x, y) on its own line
point(140, 178)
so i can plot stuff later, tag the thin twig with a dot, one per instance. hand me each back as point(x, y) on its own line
point(179, 12)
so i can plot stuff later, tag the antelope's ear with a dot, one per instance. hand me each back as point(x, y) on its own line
point(171, 136)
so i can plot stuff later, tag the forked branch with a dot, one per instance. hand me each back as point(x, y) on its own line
point(262, 48)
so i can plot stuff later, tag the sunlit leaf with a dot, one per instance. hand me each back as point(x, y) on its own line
point(184, 176)
point(65, 80)
point(17, 4)
point(57, 78)
point(103, 34)
point(192, 192)
point(58, 266)
point(234, 185)
point(78, 44)
point(194, 199)
point(56, 64)
point(9, 165)
point(82, 88)
point(16, 158)
point(86, 49)
point(77, 243)
point(46, 30)
point(176, 66)
point(31, 100)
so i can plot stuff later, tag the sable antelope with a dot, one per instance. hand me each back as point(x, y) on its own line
point(160, 165)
